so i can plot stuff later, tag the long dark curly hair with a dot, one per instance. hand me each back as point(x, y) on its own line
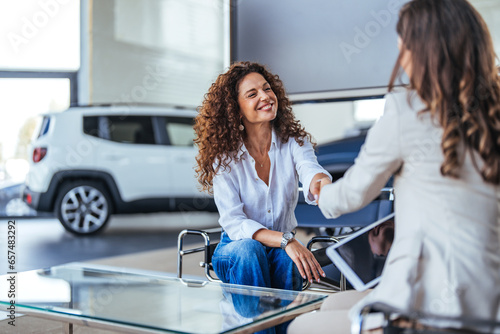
point(217, 134)
point(454, 72)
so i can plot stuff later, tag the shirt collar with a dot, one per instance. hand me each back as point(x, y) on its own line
point(243, 149)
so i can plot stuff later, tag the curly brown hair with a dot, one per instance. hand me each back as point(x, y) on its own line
point(217, 134)
point(454, 73)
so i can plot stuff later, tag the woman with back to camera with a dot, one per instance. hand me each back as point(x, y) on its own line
point(252, 153)
point(441, 140)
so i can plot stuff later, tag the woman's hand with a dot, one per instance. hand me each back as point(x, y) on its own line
point(308, 267)
point(318, 182)
point(305, 261)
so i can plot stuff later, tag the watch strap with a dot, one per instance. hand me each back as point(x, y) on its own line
point(286, 238)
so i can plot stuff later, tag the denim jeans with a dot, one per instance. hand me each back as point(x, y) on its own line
point(248, 262)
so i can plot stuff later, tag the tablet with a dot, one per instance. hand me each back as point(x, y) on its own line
point(361, 256)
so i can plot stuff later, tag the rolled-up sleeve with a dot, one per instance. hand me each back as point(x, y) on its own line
point(232, 217)
point(379, 158)
point(307, 167)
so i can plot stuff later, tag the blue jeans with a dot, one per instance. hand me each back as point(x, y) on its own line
point(248, 262)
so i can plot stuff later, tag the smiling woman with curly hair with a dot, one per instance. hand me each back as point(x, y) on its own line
point(252, 154)
point(219, 119)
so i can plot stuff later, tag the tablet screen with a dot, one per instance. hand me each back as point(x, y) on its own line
point(361, 257)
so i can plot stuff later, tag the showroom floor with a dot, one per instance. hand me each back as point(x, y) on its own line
point(44, 242)
point(138, 242)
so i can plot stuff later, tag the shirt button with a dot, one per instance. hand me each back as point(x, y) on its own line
point(268, 211)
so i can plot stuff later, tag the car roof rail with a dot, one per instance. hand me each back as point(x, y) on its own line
point(131, 105)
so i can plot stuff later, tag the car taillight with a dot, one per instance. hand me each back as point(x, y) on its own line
point(29, 199)
point(39, 153)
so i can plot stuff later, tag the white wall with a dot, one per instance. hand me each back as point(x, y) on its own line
point(490, 11)
point(155, 51)
point(331, 121)
point(326, 121)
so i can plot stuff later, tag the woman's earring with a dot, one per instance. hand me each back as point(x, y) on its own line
point(241, 127)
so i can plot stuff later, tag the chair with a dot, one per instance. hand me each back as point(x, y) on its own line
point(310, 217)
point(307, 216)
point(398, 322)
point(208, 248)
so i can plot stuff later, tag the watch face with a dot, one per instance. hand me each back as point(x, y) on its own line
point(288, 235)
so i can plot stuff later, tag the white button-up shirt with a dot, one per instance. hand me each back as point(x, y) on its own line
point(246, 204)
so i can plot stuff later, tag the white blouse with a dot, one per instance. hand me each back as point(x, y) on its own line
point(246, 204)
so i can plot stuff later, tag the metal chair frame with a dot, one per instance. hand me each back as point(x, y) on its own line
point(208, 249)
point(342, 286)
point(386, 193)
point(392, 322)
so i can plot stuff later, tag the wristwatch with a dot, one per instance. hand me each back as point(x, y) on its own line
point(286, 238)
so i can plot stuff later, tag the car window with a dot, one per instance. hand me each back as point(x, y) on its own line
point(180, 131)
point(121, 129)
point(131, 129)
point(90, 126)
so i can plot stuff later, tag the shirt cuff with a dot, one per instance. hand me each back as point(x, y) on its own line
point(325, 201)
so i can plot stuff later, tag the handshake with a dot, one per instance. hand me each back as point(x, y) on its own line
point(318, 182)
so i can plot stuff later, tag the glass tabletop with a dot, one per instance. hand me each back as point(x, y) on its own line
point(149, 301)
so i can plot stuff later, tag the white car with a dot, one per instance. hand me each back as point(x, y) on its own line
point(91, 162)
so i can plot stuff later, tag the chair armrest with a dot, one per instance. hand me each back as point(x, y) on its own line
point(397, 321)
point(208, 249)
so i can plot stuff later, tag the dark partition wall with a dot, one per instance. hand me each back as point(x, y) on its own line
point(319, 45)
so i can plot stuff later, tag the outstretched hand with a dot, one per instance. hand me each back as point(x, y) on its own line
point(317, 184)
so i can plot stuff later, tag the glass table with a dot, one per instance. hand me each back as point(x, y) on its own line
point(123, 300)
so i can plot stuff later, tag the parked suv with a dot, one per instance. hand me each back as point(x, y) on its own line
point(91, 162)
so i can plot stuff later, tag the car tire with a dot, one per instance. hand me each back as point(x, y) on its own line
point(84, 207)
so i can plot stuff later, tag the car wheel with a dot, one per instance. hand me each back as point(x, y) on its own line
point(83, 207)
